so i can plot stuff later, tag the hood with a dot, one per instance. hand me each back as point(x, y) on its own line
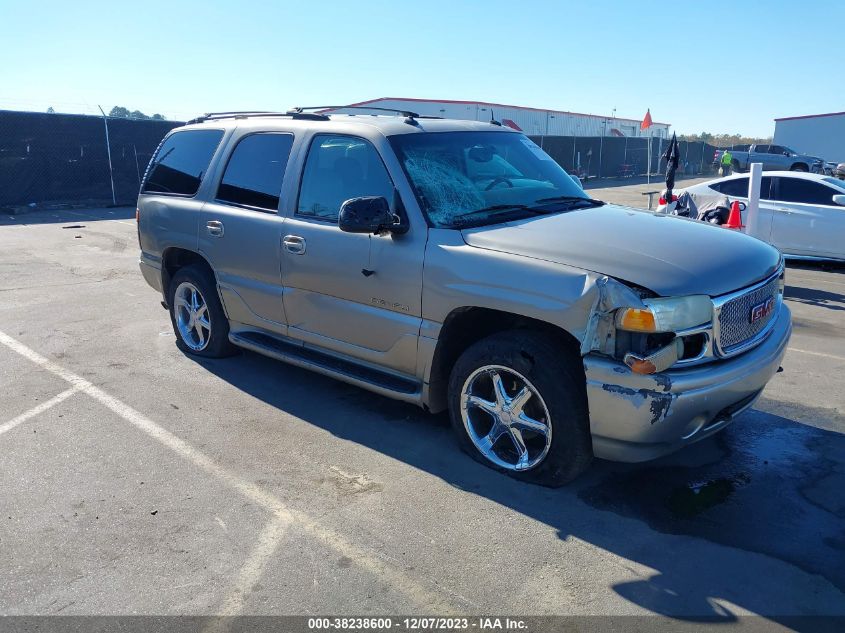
point(669, 255)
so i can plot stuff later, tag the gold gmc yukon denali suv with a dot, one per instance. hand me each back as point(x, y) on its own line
point(456, 266)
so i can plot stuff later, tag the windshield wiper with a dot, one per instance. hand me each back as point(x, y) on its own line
point(507, 212)
point(592, 202)
point(496, 207)
point(497, 213)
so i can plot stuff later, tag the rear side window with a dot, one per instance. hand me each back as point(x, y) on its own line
point(735, 188)
point(180, 162)
point(738, 187)
point(255, 171)
point(761, 149)
point(804, 191)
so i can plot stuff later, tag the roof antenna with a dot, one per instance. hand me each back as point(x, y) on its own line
point(493, 121)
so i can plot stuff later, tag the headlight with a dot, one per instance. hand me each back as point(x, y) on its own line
point(666, 315)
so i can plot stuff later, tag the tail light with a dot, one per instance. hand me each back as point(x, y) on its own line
point(662, 200)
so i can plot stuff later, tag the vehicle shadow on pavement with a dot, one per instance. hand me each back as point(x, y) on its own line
point(830, 266)
point(814, 297)
point(767, 484)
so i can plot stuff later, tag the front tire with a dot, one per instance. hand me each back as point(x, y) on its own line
point(518, 404)
point(197, 315)
point(800, 167)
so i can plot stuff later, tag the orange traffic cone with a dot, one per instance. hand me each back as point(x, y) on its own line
point(734, 218)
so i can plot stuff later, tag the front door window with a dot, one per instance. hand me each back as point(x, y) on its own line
point(339, 168)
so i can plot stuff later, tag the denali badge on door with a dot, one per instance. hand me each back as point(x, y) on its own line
point(762, 310)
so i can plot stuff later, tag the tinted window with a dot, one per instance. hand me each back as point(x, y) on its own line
point(839, 184)
point(761, 149)
point(339, 168)
point(738, 188)
point(766, 188)
point(735, 188)
point(255, 171)
point(805, 191)
point(181, 161)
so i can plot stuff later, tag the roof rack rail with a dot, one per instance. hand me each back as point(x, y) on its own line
point(244, 114)
point(405, 113)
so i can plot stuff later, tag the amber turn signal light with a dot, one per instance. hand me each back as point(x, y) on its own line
point(659, 361)
point(640, 366)
point(637, 320)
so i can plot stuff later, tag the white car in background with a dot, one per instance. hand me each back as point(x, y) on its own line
point(801, 214)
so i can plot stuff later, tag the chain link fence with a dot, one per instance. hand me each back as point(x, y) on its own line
point(63, 158)
point(622, 157)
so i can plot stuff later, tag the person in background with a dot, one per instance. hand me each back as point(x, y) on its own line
point(727, 162)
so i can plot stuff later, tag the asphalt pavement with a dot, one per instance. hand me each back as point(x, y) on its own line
point(139, 480)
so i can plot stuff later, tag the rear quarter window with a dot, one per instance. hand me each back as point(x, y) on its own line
point(180, 162)
point(735, 188)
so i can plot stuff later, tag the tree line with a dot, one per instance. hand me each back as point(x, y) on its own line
point(120, 112)
point(724, 140)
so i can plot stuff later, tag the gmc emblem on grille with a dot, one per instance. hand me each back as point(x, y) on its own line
point(762, 310)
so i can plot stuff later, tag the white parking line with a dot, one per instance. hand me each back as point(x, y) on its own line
point(253, 568)
point(822, 354)
point(427, 596)
point(41, 408)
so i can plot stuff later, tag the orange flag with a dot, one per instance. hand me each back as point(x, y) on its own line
point(646, 121)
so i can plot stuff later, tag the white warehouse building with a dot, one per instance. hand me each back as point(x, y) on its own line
point(532, 121)
point(821, 135)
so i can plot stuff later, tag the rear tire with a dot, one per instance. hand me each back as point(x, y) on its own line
point(197, 315)
point(500, 431)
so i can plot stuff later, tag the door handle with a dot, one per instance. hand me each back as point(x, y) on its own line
point(294, 244)
point(214, 228)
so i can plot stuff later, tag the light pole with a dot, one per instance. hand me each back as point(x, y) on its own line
point(601, 145)
point(601, 141)
point(108, 150)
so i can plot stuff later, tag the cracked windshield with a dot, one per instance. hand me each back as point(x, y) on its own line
point(468, 179)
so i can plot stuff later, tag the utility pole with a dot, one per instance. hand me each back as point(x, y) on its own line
point(108, 150)
point(601, 145)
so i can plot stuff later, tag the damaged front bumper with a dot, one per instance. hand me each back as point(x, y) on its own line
point(635, 417)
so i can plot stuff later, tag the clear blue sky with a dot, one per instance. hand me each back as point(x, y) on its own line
point(702, 66)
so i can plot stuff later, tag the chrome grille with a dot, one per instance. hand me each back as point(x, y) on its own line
point(734, 316)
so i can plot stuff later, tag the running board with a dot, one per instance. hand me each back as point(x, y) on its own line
point(348, 371)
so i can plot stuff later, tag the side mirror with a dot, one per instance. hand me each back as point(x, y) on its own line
point(839, 199)
point(369, 214)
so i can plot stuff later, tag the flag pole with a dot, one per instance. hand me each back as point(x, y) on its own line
point(647, 125)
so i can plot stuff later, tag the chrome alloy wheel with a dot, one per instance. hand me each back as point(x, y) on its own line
point(192, 317)
point(506, 418)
